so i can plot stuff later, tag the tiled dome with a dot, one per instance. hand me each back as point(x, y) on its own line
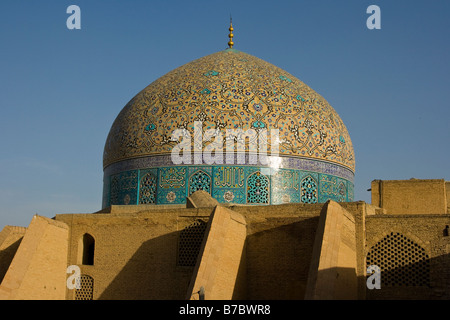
point(229, 89)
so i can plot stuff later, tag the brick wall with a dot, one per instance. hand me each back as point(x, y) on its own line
point(221, 257)
point(10, 238)
point(278, 249)
point(333, 265)
point(38, 269)
point(135, 251)
point(410, 196)
point(447, 193)
point(427, 231)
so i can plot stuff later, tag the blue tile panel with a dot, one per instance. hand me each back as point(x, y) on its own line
point(226, 183)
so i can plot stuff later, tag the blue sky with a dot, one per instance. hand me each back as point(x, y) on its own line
point(61, 89)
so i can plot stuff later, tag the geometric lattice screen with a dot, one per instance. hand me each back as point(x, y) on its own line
point(190, 242)
point(200, 180)
point(258, 187)
point(86, 291)
point(402, 262)
point(147, 189)
point(309, 190)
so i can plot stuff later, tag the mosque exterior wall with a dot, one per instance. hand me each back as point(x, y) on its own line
point(413, 252)
point(414, 196)
point(151, 252)
point(135, 255)
point(137, 250)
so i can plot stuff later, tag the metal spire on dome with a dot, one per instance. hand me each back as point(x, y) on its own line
point(231, 35)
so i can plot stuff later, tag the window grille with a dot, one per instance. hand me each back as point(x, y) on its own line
point(147, 189)
point(190, 242)
point(86, 291)
point(402, 262)
point(257, 188)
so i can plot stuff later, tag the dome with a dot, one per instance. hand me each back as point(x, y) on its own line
point(223, 91)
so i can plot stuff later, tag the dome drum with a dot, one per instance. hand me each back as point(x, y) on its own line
point(131, 183)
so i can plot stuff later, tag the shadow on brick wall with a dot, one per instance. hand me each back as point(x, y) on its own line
point(274, 265)
point(278, 260)
point(425, 280)
point(151, 273)
point(6, 257)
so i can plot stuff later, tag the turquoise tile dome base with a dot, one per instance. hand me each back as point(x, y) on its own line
point(131, 182)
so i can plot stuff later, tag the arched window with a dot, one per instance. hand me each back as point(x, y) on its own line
point(402, 262)
point(86, 249)
point(257, 188)
point(309, 190)
point(199, 180)
point(147, 189)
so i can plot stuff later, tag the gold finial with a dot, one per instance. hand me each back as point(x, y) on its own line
point(231, 35)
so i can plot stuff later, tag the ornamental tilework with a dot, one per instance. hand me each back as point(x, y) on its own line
point(332, 188)
point(285, 186)
point(123, 188)
point(229, 177)
point(310, 165)
point(172, 178)
point(230, 90)
point(314, 175)
point(199, 180)
point(172, 185)
point(227, 184)
point(258, 188)
point(171, 196)
point(229, 195)
point(148, 186)
point(350, 191)
point(309, 190)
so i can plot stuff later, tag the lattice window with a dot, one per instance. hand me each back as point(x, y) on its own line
point(309, 190)
point(200, 180)
point(402, 262)
point(86, 291)
point(257, 188)
point(147, 189)
point(190, 242)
